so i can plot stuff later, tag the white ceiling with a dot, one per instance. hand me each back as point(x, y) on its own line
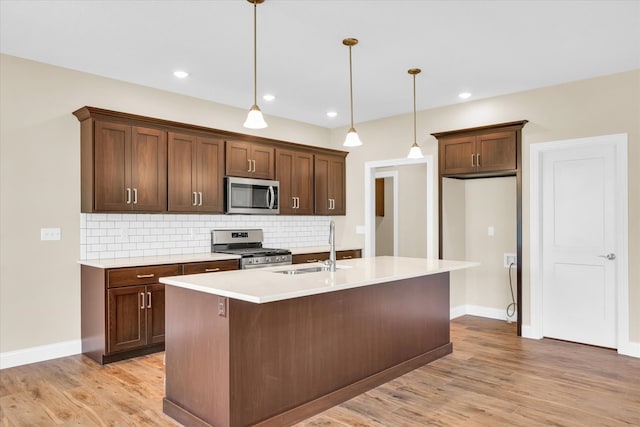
point(488, 48)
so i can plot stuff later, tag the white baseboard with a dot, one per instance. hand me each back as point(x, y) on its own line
point(40, 353)
point(630, 348)
point(530, 332)
point(476, 310)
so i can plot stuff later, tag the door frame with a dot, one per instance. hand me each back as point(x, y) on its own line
point(396, 185)
point(369, 199)
point(537, 151)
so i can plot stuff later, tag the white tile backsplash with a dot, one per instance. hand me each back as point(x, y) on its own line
point(130, 235)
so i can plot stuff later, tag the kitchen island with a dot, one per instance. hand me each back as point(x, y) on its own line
point(263, 347)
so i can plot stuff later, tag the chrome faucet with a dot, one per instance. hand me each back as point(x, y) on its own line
point(331, 262)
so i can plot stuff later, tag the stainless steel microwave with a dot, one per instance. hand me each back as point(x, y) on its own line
point(251, 196)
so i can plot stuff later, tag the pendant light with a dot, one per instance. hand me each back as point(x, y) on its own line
point(352, 139)
point(415, 152)
point(254, 118)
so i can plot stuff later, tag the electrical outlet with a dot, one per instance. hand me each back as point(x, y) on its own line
point(50, 234)
point(509, 259)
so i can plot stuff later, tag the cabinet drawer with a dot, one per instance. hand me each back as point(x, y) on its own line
point(209, 266)
point(140, 275)
point(356, 253)
point(311, 257)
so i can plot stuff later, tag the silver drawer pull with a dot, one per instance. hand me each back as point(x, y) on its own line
point(211, 270)
point(313, 260)
point(346, 257)
point(145, 276)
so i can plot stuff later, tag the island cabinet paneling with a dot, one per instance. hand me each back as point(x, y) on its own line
point(250, 160)
point(323, 256)
point(123, 311)
point(330, 185)
point(277, 363)
point(195, 173)
point(294, 171)
point(129, 169)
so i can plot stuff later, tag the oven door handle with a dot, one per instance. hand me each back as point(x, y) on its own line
point(271, 197)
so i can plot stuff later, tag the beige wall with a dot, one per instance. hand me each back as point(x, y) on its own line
point(384, 224)
point(454, 213)
point(40, 185)
point(39, 171)
point(600, 106)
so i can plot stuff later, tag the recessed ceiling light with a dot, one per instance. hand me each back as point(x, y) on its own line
point(332, 114)
point(464, 95)
point(180, 74)
point(269, 97)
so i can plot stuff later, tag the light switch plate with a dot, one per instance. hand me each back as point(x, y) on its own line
point(50, 234)
point(491, 231)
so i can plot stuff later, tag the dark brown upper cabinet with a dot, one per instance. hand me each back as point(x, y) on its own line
point(195, 173)
point(330, 185)
point(250, 160)
point(483, 153)
point(294, 171)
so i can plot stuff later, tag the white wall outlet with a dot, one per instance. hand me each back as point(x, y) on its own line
point(491, 230)
point(510, 259)
point(50, 234)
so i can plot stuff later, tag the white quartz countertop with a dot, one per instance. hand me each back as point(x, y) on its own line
point(156, 260)
point(181, 259)
point(263, 285)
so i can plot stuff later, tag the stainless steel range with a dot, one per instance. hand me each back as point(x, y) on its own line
point(248, 244)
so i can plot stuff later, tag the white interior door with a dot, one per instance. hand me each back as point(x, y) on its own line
point(578, 244)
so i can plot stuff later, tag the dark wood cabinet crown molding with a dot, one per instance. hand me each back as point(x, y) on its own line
point(87, 112)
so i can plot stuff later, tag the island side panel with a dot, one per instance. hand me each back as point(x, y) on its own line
point(289, 353)
point(197, 359)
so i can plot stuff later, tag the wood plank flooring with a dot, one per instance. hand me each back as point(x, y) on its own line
point(493, 378)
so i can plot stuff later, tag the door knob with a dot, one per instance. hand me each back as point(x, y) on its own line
point(610, 257)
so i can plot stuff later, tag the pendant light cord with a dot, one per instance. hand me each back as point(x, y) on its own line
point(414, 109)
point(255, 54)
point(351, 85)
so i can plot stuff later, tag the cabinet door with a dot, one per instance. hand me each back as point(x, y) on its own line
point(127, 318)
point(263, 161)
point(210, 175)
point(337, 186)
point(154, 306)
point(181, 172)
point(458, 155)
point(496, 152)
point(303, 183)
point(322, 202)
point(149, 169)
point(112, 166)
point(285, 175)
point(237, 159)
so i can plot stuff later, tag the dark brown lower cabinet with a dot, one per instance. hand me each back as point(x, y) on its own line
point(323, 256)
point(122, 309)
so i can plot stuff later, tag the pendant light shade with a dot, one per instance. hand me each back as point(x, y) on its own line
point(254, 118)
point(352, 139)
point(415, 152)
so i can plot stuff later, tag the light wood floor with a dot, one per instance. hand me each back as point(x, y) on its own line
point(493, 378)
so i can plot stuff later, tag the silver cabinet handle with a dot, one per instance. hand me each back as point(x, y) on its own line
point(249, 170)
point(610, 257)
point(473, 160)
point(254, 165)
point(135, 196)
point(200, 198)
point(128, 192)
point(141, 300)
point(145, 276)
point(195, 199)
point(293, 202)
point(148, 299)
point(478, 159)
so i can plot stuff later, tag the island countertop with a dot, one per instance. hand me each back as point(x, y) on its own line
point(264, 285)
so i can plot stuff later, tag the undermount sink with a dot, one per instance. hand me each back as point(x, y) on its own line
point(306, 270)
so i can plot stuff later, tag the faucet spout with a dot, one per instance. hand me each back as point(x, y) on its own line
point(332, 243)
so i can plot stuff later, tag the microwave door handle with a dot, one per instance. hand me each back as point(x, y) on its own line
point(271, 197)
